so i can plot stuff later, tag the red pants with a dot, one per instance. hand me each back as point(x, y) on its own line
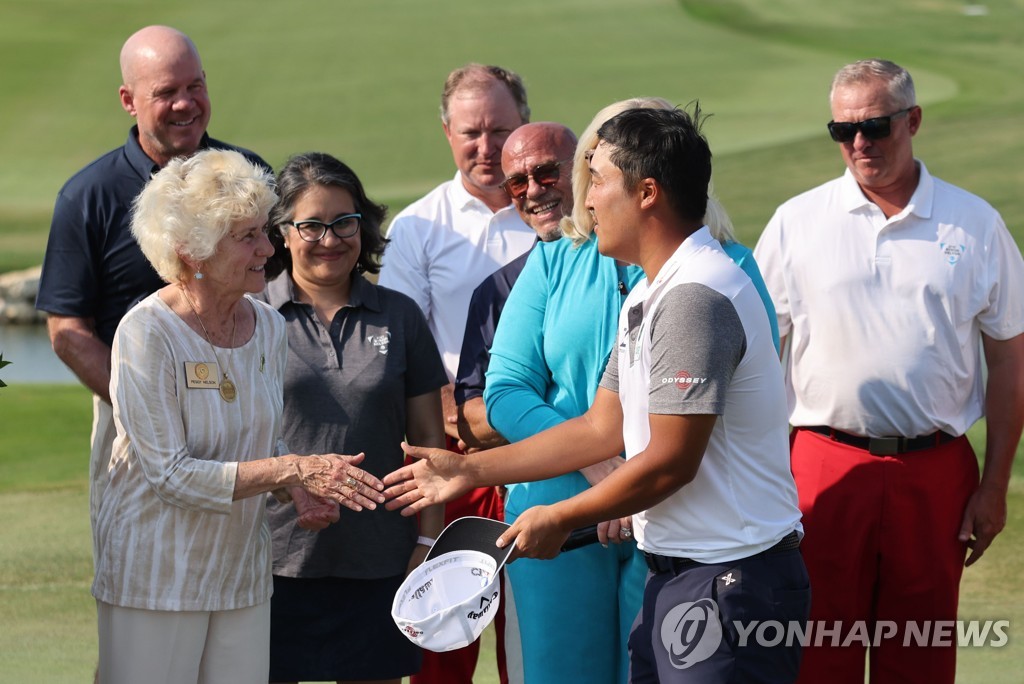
point(457, 667)
point(881, 545)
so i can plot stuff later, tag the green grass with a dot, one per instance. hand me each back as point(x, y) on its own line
point(47, 617)
point(361, 80)
point(964, 69)
point(44, 437)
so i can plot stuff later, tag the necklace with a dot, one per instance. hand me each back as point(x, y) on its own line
point(227, 390)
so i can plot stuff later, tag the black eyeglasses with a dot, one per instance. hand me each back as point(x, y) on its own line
point(314, 231)
point(517, 184)
point(872, 129)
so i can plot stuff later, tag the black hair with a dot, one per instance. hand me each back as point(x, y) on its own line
point(668, 146)
point(304, 171)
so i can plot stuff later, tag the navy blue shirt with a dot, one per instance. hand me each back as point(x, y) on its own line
point(484, 311)
point(93, 268)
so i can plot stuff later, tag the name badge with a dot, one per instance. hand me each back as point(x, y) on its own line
point(202, 375)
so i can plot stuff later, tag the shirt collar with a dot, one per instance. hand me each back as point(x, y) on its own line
point(920, 204)
point(922, 199)
point(281, 293)
point(364, 294)
point(138, 158)
point(461, 198)
point(694, 241)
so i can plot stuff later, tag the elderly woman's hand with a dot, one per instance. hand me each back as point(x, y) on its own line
point(335, 477)
point(314, 513)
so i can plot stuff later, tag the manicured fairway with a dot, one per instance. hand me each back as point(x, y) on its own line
point(361, 80)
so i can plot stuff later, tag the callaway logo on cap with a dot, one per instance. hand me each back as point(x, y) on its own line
point(448, 601)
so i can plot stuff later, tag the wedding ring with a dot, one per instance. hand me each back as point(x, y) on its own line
point(351, 482)
point(626, 532)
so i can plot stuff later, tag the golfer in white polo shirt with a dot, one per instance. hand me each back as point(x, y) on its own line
point(693, 393)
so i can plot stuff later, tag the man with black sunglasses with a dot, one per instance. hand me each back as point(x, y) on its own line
point(888, 284)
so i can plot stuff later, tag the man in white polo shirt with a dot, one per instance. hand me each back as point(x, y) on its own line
point(888, 283)
point(693, 393)
point(442, 246)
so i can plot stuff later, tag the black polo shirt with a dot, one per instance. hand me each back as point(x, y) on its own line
point(346, 390)
point(93, 268)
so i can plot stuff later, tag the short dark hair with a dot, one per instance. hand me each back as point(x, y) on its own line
point(304, 171)
point(668, 146)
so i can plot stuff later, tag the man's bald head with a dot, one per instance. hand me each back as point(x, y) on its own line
point(164, 88)
point(154, 43)
point(533, 155)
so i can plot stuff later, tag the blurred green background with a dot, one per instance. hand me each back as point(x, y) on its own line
point(361, 79)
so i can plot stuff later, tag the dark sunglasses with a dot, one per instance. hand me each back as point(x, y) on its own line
point(517, 184)
point(872, 129)
point(314, 231)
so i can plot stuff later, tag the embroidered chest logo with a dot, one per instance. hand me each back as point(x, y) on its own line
point(952, 253)
point(381, 342)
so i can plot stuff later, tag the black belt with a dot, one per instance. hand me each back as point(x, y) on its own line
point(883, 446)
point(659, 564)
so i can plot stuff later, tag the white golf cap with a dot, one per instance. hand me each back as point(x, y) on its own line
point(448, 601)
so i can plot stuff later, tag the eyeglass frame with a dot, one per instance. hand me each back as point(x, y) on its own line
point(326, 226)
point(883, 122)
point(530, 175)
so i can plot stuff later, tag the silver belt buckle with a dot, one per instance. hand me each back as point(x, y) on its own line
point(884, 446)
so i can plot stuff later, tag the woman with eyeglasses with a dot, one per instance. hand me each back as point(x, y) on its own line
point(363, 369)
point(183, 577)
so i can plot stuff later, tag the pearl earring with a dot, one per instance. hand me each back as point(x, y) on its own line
point(198, 276)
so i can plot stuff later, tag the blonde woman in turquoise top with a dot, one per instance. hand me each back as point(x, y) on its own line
point(557, 329)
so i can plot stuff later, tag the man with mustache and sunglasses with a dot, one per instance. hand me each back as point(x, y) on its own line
point(888, 284)
point(537, 162)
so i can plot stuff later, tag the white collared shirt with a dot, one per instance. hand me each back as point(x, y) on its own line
point(696, 342)
point(441, 247)
point(883, 315)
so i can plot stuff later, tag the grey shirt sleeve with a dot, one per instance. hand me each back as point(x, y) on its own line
point(610, 379)
point(697, 341)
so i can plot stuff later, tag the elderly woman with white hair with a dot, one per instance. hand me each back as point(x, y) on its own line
point(574, 613)
point(183, 579)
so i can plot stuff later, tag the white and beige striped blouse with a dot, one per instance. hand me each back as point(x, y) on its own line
point(168, 533)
